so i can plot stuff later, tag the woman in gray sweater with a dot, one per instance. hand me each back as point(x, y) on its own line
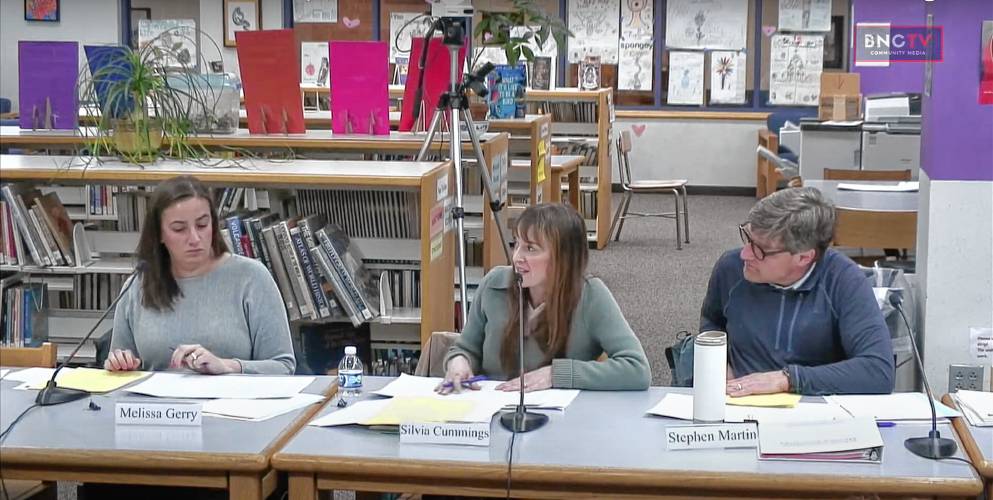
point(196, 305)
point(572, 318)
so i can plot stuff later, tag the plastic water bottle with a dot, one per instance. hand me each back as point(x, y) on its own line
point(350, 374)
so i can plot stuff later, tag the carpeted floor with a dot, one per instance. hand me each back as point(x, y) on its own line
point(660, 289)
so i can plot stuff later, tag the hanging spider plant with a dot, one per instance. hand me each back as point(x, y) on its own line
point(145, 98)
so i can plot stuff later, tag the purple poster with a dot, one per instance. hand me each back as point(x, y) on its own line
point(47, 73)
point(360, 76)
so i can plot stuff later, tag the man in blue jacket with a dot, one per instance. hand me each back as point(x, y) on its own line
point(800, 316)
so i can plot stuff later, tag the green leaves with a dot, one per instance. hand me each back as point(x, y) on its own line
point(498, 25)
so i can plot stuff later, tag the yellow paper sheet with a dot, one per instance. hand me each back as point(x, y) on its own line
point(402, 409)
point(779, 400)
point(95, 380)
point(542, 150)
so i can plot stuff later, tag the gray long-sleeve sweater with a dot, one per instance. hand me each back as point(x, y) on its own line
point(234, 311)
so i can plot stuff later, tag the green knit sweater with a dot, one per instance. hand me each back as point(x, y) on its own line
point(597, 327)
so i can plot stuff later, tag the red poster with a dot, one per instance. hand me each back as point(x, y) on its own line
point(436, 80)
point(270, 72)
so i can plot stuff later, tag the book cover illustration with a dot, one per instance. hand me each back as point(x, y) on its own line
point(507, 84)
point(589, 73)
point(109, 64)
point(541, 73)
point(272, 90)
point(47, 74)
point(360, 74)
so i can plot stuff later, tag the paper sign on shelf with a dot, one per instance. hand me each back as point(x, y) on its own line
point(437, 246)
point(981, 345)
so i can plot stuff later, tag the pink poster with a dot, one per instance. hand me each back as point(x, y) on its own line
point(360, 99)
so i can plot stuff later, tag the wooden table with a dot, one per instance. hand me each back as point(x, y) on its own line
point(602, 446)
point(978, 444)
point(562, 166)
point(69, 442)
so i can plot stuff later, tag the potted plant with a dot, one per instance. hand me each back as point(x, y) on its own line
point(146, 96)
point(515, 32)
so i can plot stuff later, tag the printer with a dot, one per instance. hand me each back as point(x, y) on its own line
point(829, 144)
point(891, 133)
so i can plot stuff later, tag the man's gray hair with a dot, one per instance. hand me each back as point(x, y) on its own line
point(802, 218)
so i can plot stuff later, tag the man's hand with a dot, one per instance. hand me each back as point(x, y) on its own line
point(758, 383)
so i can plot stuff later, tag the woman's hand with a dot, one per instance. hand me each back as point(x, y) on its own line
point(121, 360)
point(199, 359)
point(536, 380)
point(457, 370)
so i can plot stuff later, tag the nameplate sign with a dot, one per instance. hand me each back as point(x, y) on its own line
point(696, 437)
point(158, 413)
point(474, 434)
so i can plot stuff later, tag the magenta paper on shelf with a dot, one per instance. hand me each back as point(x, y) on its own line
point(360, 75)
point(47, 74)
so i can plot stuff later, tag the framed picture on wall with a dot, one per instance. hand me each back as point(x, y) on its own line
point(42, 10)
point(834, 44)
point(240, 15)
point(137, 14)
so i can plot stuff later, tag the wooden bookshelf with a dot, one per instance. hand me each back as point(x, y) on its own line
point(435, 255)
point(598, 130)
point(531, 137)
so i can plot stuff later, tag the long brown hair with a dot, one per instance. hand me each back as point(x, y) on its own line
point(563, 232)
point(158, 285)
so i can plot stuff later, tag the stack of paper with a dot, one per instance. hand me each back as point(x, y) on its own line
point(33, 376)
point(92, 380)
point(896, 406)
point(412, 386)
point(196, 386)
point(976, 406)
point(899, 187)
point(3, 373)
point(778, 400)
point(258, 409)
point(848, 440)
point(402, 409)
point(681, 406)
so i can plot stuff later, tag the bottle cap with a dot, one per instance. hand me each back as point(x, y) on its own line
point(350, 350)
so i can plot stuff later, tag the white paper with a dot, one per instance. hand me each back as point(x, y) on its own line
point(976, 406)
point(896, 406)
point(727, 77)
point(258, 409)
point(706, 24)
point(400, 40)
point(315, 11)
point(359, 411)
point(685, 78)
point(312, 58)
point(3, 373)
point(166, 33)
point(981, 345)
point(805, 15)
point(595, 25)
point(795, 69)
point(820, 437)
point(413, 386)
point(681, 406)
point(34, 376)
point(195, 386)
point(899, 187)
point(635, 64)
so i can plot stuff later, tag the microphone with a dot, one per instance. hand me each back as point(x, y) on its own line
point(933, 446)
point(52, 394)
point(521, 420)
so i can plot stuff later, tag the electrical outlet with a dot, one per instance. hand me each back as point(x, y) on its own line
point(966, 377)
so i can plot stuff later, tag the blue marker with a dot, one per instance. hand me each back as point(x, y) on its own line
point(469, 381)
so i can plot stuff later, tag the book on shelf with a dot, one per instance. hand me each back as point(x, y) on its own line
point(360, 287)
point(589, 73)
point(28, 228)
point(541, 73)
point(57, 220)
point(25, 311)
point(279, 271)
point(301, 289)
point(506, 84)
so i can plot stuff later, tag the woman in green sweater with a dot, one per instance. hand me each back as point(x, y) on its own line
point(571, 318)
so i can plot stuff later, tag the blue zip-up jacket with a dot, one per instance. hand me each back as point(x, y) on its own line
point(829, 332)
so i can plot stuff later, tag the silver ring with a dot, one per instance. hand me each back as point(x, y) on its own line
point(739, 387)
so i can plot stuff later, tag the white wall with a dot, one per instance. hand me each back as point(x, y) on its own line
point(212, 25)
point(87, 22)
point(705, 152)
point(170, 9)
point(955, 263)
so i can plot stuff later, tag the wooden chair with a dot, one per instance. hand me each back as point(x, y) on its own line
point(25, 357)
point(432, 360)
point(675, 186)
point(875, 229)
point(44, 356)
point(834, 174)
point(767, 176)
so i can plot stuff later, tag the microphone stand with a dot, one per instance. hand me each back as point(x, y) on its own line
point(521, 420)
point(933, 446)
point(52, 394)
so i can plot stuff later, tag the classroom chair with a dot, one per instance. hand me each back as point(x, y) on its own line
point(677, 187)
point(432, 360)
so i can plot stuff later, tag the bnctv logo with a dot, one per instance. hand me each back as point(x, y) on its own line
point(879, 44)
